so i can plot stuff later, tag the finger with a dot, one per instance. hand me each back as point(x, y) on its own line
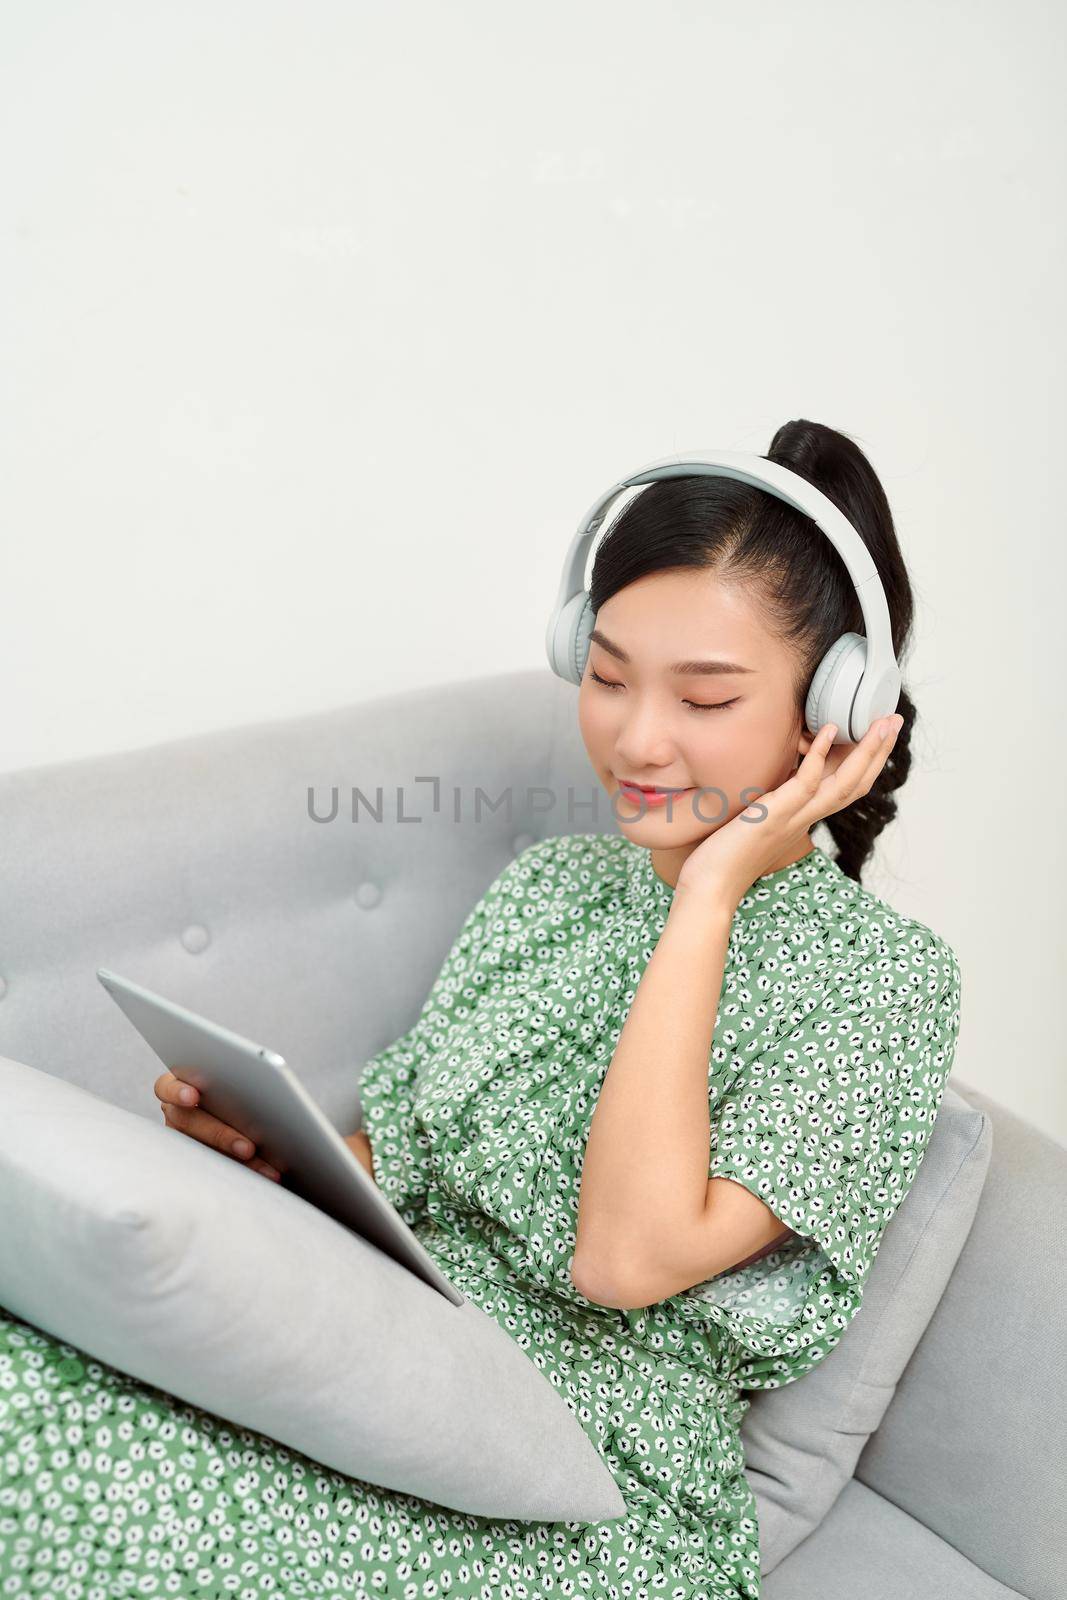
point(172, 1091)
point(867, 758)
point(209, 1130)
point(258, 1165)
point(809, 774)
point(854, 775)
point(883, 745)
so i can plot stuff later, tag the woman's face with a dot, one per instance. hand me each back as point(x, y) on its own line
point(648, 728)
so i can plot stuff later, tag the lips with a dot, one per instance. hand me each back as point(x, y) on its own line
point(638, 793)
point(649, 788)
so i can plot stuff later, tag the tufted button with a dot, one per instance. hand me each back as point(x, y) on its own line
point(3, 987)
point(196, 938)
point(522, 841)
point(368, 895)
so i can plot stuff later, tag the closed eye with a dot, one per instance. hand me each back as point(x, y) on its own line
point(694, 705)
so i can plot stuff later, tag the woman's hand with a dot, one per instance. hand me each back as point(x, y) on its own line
point(180, 1102)
point(829, 778)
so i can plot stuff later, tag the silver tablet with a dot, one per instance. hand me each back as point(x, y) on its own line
point(254, 1090)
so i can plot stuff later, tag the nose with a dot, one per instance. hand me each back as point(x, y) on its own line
point(642, 744)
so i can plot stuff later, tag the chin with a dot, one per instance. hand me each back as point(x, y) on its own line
point(655, 828)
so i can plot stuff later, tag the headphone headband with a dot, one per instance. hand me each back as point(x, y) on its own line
point(878, 679)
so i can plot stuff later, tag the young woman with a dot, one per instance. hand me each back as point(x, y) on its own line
point(667, 1090)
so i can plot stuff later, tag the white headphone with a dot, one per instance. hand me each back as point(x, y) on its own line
point(858, 679)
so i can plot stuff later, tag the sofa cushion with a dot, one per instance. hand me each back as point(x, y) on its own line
point(174, 1263)
point(802, 1441)
point(871, 1548)
point(973, 1444)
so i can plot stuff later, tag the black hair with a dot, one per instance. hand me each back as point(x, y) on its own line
point(789, 569)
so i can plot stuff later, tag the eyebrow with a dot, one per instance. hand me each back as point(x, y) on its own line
point(680, 668)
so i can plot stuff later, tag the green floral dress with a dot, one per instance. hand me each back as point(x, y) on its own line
point(836, 1030)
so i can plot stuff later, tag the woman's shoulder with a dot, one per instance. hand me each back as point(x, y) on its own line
point(844, 934)
point(882, 946)
point(885, 933)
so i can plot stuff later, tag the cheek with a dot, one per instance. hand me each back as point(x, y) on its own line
point(590, 719)
point(732, 757)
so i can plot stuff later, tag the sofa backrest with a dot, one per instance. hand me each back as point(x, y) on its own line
point(195, 868)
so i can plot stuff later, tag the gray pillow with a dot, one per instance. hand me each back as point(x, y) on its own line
point(802, 1441)
point(175, 1264)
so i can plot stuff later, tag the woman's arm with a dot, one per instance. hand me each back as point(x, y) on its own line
point(359, 1144)
point(650, 1221)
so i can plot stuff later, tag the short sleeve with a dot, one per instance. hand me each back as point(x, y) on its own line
point(828, 1126)
point(389, 1080)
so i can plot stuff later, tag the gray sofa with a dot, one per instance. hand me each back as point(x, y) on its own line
point(248, 868)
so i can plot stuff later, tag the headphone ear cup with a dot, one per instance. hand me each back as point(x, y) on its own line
point(833, 689)
point(568, 644)
point(583, 627)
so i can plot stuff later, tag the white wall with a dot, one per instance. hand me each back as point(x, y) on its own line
point(323, 324)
